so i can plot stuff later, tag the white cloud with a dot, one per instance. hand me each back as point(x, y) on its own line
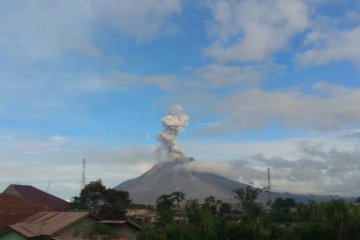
point(211, 76)
point(303, 165)
point(35, 30)
point(140, 19)
point(92, 81)
point(36, 162)
point(331, 46)
point(58, 139)
point(253, 30)
point(257, 108)
point(216, 75)
point(81, 46)
point(326, 89)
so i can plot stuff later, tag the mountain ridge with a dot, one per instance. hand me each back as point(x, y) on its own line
point(171, 176)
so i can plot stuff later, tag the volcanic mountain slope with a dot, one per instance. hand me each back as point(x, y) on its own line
point(172, 176)
point(172, 173)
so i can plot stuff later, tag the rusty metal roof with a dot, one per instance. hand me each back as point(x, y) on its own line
point(120, 222)
point(47, 223)
point(13, 204)
point(38, 196)
point(14, 209)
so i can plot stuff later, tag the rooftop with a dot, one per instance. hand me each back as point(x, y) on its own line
point(47, 223)
point(37, 196)
point(14, 209)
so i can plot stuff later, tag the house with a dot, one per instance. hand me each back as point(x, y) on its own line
point(124, 230)
point(51, 225)
point(142, 214)
point(37, 196)
point(14, 209)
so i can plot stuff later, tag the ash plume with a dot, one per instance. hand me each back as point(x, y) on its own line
point(173, 124)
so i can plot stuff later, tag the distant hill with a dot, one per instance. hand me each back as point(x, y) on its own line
point(171, 176)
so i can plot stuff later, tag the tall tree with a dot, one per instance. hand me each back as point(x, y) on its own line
point(165, 204)
point(247, 196)
point(104, 202)
point(178, 197)
point(92, 196)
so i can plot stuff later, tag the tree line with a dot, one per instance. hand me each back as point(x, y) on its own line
point(284, 219)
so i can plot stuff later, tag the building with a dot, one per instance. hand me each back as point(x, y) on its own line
point(124, 230)
point(14, 209)
point(37, 196)
point(142, 214)
point(51, 225)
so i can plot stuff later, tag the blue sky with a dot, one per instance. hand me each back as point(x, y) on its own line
point(265, 84)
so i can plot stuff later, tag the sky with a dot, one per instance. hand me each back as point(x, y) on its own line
point(266, 84)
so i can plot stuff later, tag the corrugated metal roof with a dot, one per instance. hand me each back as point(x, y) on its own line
point(38, 196)
point(113, 221)
point(47, 223)
point(120, 222)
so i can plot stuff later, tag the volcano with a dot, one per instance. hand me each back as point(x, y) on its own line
point(174, 176)
point(173, 173)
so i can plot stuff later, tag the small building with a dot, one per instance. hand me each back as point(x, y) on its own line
point(142, 214)
point(124, 230)
point(37, 196)
point(51, 225)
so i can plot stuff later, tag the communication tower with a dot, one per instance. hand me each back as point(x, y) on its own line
point(83, 181)
point(269, 186)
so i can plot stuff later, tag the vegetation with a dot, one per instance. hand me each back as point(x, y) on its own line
point(285, 220)
point(104, 202)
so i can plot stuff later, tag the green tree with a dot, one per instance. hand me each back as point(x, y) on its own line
point(201, 222)
point(165, 204)
point(247, 196)
point(281, 210)
point(225, 208)
point(115, 204)
point(101, 201)
point(338, 217)
point(211, 204)
point(285, 202)
point(92, 196)
point(178, 197)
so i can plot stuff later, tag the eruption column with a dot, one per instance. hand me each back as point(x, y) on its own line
point(173, 124)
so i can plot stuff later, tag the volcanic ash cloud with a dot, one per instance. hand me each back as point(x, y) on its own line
point(173, 124)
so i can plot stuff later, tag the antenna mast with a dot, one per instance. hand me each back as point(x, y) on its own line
point(83, 182)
